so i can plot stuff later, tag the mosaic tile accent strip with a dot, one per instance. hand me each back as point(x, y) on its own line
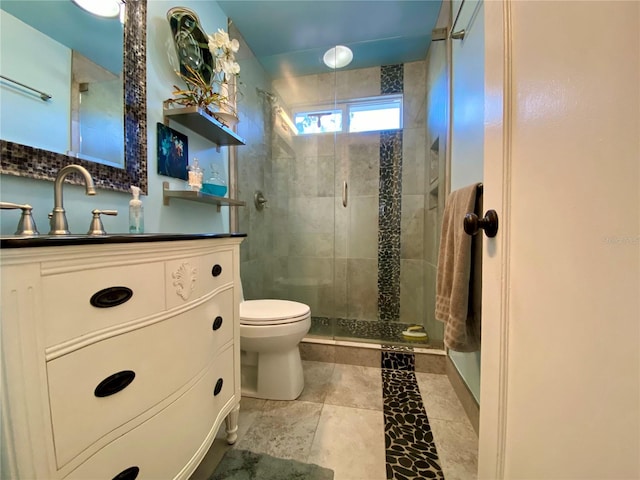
point(398, 360)
point(134, 70)
point(389, 334)
point(392, 79)
point(411, 452)
point(390, 203)
point(26, 161)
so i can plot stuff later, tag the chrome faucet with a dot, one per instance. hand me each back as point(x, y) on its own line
point(57, 218)
point(26, 225)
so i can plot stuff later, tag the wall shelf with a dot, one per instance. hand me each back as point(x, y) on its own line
point(168, 194)
point(200, 122)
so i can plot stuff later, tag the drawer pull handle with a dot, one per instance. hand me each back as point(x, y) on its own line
point(217, 323)
point(218, 387)
point(114, 383)
point(111, 297)
point(216, 270)
point(129, 474)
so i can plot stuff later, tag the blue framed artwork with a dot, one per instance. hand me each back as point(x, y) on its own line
point(173, 153)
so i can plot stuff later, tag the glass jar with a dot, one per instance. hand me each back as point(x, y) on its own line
point(215, 184)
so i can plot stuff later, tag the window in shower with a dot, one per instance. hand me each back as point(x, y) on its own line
point(380, 114)
point(320, 121)
point(362, 114)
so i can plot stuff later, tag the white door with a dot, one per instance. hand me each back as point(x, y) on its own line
point(560, 379)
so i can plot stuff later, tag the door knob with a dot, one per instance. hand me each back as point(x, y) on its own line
point(489, 223)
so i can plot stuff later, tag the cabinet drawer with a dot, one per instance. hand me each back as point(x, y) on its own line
point(67, 297)
point(163, 357)
point(190, 278)
point(164, 444)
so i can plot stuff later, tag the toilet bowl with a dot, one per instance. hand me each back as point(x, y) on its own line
point(270, 331)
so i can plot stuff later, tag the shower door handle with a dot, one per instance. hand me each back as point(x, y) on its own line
point(345, 190)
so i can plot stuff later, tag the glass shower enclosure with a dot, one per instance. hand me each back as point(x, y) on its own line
point(350, 172)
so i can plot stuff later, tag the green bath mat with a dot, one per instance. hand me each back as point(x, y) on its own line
point(245, 465)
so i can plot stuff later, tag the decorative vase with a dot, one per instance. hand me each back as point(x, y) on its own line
point(215, 184)
point(225, 111)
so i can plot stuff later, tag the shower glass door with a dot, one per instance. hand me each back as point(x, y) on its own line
point(354, 215)
point(357, 172)
point(304, 157)
point(387, 208)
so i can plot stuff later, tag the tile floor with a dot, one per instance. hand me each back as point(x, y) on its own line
point(338, 423)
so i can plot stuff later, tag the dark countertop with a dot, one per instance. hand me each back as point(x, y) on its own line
point(14, 241)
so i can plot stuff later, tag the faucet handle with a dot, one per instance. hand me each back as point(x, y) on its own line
point(26, 225)
point(96, 228)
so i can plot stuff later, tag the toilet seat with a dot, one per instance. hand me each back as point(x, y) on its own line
point(272, 312)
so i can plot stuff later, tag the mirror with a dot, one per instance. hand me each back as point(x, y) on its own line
point(28, 161)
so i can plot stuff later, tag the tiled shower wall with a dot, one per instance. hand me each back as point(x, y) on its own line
point(254, 172)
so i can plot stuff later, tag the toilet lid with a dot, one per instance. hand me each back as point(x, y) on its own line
point(272, 312)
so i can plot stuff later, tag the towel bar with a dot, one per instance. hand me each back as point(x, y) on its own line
point(44, 96)
point(489, 223)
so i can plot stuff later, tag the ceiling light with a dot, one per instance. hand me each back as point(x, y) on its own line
point(101, 8)
point(338, 57)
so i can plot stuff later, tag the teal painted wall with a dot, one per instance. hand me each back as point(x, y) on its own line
point(179, 217)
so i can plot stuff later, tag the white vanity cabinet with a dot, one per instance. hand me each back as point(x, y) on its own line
point(119, 360)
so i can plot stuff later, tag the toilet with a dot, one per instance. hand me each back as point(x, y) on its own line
point(270, 331)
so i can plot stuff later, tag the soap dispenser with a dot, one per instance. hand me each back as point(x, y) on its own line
point(136, 212)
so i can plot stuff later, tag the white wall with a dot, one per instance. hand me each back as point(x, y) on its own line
point(179, 217)
point(467, 141)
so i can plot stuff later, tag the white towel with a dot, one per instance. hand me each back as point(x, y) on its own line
point(457, 293)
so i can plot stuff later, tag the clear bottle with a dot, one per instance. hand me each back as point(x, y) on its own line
point(136, 212)
point(195, 176)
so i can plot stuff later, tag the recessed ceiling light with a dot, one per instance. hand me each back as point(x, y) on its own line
point(101, 8)
point(338, 57)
